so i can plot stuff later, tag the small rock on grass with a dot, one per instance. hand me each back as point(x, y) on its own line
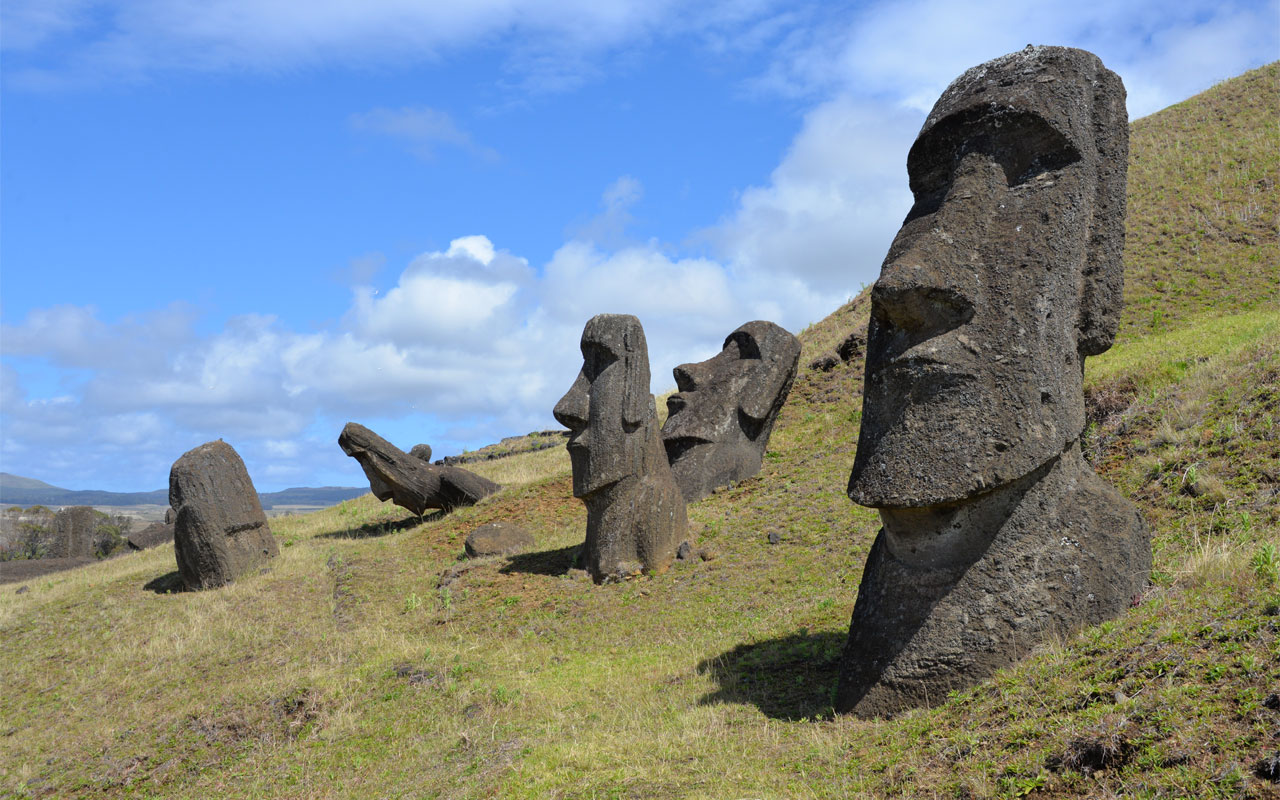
point(684, 552)
point(825, 362)
point(774, 537)
point(498, 539)
point(1269, 768)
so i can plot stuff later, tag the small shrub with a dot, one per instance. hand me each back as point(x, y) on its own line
point(1266, 564)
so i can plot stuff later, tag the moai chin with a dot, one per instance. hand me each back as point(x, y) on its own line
point(1006, 273)
point(719, 421)
point(635, 513)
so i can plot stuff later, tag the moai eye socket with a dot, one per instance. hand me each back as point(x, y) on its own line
point(596, 358)
point(746, 343)
point(1023, 144)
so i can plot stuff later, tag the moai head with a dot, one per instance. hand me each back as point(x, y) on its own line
point(719, 421)
point(1006, 274)
point(608, 406)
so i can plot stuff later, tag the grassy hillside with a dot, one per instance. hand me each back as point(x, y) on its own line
point(371, 660)
point(1203, 206)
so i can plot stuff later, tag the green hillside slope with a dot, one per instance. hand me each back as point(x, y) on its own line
point(1203, 205)
point(372, 660)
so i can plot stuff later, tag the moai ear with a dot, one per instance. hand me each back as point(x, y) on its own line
point(1102, 281)
point(636, 400)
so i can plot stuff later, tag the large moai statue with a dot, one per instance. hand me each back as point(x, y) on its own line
point(635, 512)
point(719, 421)
point(219, 530)
point(1006, 273)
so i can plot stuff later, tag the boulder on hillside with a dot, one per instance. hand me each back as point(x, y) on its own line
point(422, 452)
point(410, 482)
point(498, 539)
point(220, 531)
point(854, 345)
point(154, 535)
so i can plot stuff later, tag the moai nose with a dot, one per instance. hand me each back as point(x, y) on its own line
point(574, 409)
point(914, 297)
point(688, 377)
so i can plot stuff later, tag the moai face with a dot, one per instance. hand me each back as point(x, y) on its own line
point(1004, 276)
point(607, 406)
point(720, 419)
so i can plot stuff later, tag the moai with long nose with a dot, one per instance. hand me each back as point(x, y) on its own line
point(635, 513)
point(719, 422)
point(1005, 275)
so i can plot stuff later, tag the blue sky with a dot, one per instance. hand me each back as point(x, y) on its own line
point(256, 220)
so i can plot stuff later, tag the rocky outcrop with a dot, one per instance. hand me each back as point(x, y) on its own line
point(498, 539)
point(154, 535)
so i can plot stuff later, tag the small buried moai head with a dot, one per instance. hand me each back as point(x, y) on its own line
point(719, 420)
point(1005, 275)
point(608, 406)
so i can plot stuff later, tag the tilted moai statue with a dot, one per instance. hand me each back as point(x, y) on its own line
point(219, 529)
point(719, 421)
point(1006, 273)
point(635, 513)
point(409, 481)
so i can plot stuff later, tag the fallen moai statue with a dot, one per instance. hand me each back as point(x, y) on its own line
point(1006, 273)
point(635, 512)
point(219, 531)
point(410, 482)
point(719, 421)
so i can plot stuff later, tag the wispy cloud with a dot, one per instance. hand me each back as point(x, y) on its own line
point(89, 41)
point(423, 130)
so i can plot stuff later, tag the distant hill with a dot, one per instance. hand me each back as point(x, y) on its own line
point(17, 490)
point(11, 481)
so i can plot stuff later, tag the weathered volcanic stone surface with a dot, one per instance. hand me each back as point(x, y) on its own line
point(410, 482)
point(853, 345)
point(498, 539)
point(1005, 275)
point(719, 420)
point(220, 531)
point(636, 515)
point(950, 595)
point(422, 452)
